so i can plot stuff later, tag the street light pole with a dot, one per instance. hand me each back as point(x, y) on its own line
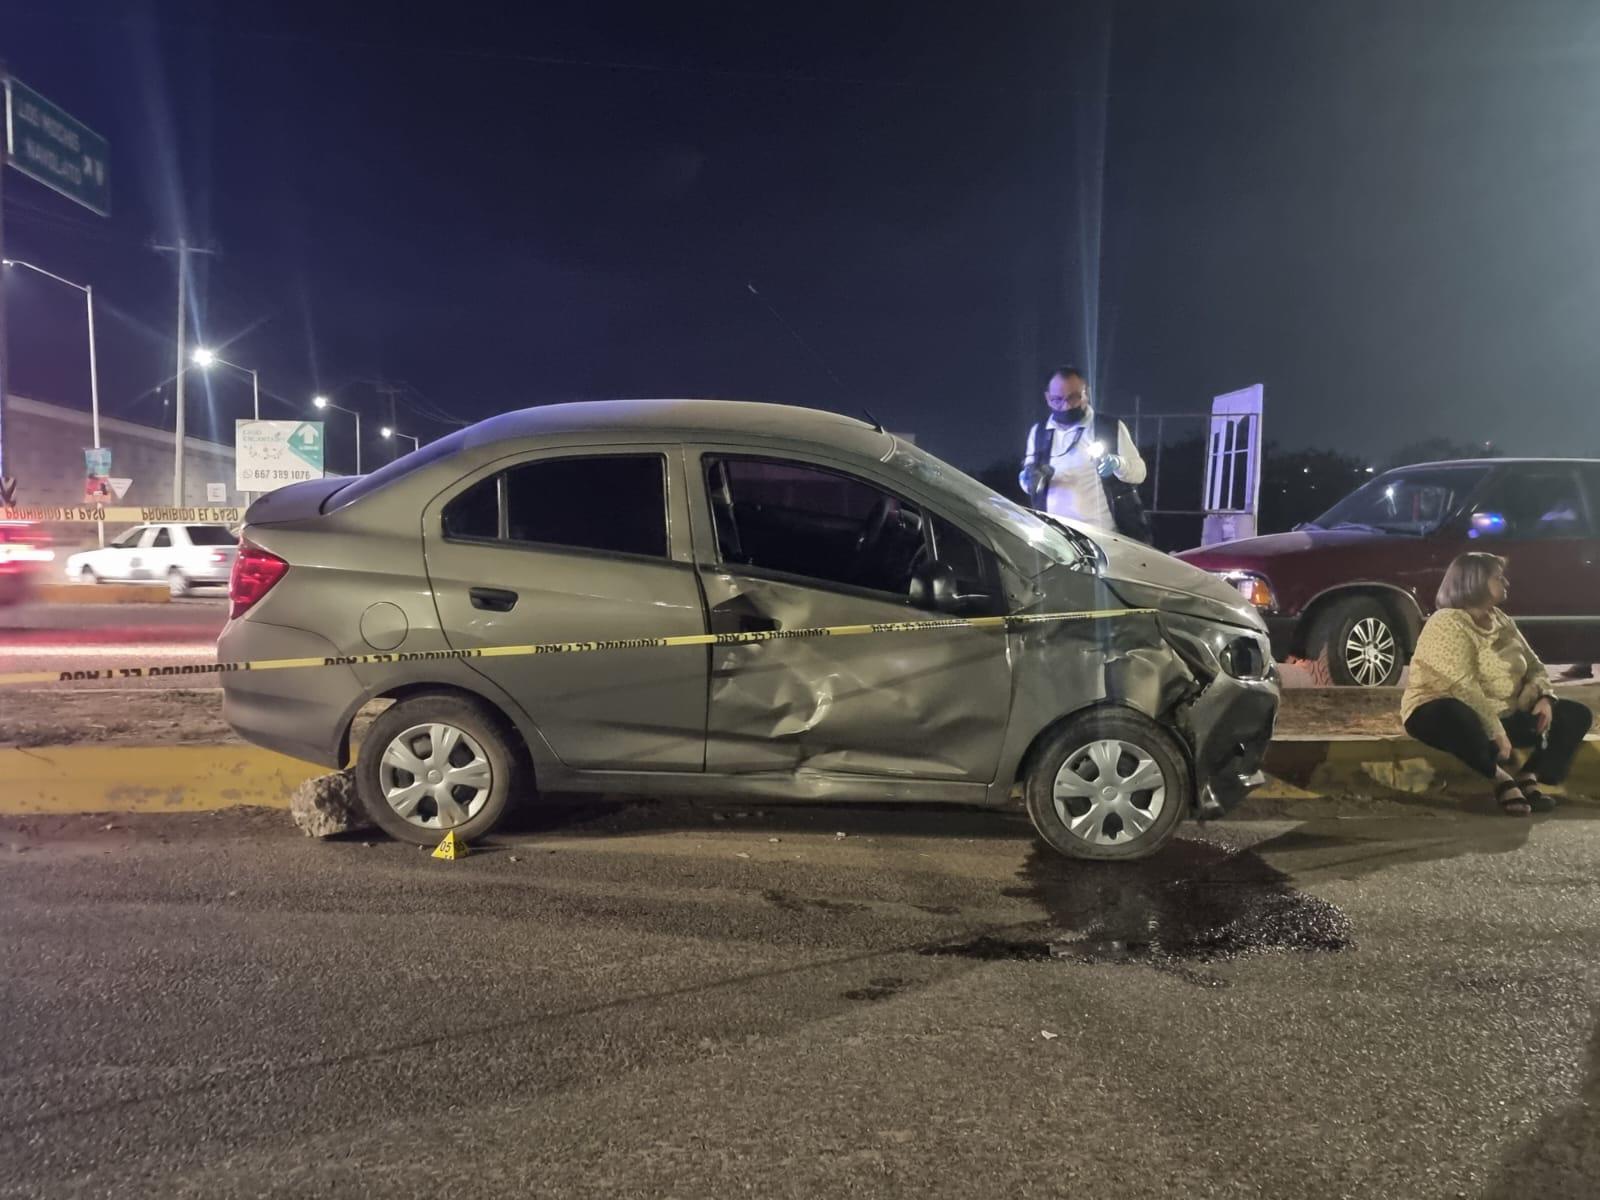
point(388, 433)
point(324, 402)
point(94, 370)
point(204, 358)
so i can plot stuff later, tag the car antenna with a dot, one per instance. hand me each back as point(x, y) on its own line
point(872, 420)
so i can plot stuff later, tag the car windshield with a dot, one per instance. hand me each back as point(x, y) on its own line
point(1408, 501)
point(1057, 541)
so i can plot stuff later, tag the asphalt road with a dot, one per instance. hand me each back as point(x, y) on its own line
point(672, 1001)
point(69, 637)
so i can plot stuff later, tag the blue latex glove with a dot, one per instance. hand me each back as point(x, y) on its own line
point(1109, 465)
point(1034, 478)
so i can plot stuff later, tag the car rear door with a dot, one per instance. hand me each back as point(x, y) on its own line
point(788, 543)
point(1537, 515)
point(578, 545)
point(115, 561)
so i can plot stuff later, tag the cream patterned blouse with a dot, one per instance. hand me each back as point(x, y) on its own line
point(1492, 671)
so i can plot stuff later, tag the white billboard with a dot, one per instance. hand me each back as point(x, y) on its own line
point(269, 455)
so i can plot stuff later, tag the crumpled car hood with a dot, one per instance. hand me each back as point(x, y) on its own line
point(1146, 578)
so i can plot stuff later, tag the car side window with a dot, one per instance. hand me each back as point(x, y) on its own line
point(162, 540)
point(612, 504)
point(975, 569)
point(475, 514)
point(1591, 483)
point(129, 540)
point(797, 519)
point(1532, 503)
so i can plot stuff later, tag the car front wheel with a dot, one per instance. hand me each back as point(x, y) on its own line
point(1108, 784)
point(436, 764)
point(1355, 644)
point(177, 585)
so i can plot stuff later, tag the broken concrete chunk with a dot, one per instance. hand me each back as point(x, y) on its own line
point(328, 805)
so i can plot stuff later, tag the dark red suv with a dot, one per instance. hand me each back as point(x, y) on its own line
point(1350, 590)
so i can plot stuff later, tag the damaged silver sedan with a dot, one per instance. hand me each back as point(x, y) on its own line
point(635, 519)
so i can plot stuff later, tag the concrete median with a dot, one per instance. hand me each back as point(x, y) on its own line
point(200, 777)
point(102, 593)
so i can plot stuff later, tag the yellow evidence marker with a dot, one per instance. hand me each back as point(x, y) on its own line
point(451, 848)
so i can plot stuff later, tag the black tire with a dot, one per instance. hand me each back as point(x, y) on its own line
point(177, 586)
point(1356, 643)
point(87, 576)
point(1106, 838)
point(481, 724)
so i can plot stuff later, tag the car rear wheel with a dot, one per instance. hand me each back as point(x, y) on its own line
point(433, 765)
point(1108, 784)
point(177, 584)
point(1355, 643)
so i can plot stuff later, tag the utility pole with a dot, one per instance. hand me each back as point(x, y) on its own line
point(183, 249)
point(391, 391)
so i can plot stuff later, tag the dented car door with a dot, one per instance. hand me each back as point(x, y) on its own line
point(785, 543)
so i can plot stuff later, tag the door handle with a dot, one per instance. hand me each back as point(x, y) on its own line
point(493, 599)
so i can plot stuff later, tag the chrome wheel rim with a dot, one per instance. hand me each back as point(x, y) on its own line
point(435, 776)
point(1110, 792)
point(175, 584)
point(1369, 651)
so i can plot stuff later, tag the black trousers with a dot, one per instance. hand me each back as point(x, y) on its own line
point(1451, 726)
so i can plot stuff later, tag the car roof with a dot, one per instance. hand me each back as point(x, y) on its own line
point(696, 419)
point(1490, 462)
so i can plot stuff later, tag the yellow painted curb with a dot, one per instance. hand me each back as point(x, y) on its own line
point(1374, 766)
point(146, 779)
point(102, 593)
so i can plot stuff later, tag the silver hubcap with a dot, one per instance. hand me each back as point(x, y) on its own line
point(1369, 652)
point(1109, 793)
point(435, 776)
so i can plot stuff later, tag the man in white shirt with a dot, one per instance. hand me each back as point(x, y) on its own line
point(1076, 467)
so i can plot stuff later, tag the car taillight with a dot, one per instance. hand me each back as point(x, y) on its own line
point(255, 572)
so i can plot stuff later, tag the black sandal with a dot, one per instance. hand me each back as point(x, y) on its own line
point(1518, 807)
point(1538, 801)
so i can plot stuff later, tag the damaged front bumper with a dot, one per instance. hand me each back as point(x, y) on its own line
point(1228, 720)
point(1229, 727)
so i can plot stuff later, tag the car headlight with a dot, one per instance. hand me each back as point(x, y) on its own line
point(1211, 649)
point(1254, 588)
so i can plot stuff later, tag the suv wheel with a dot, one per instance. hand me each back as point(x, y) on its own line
point(1109, 784)
point(435, 764)
point(177, 585)
point(1355, 643)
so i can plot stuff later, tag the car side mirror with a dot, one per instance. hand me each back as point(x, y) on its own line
point(936, 586)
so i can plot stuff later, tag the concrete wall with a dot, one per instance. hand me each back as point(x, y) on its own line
point(46, 444)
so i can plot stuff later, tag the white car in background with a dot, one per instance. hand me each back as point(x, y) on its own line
point(183, 557)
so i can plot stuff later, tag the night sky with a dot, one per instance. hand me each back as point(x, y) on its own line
point(1386, 212)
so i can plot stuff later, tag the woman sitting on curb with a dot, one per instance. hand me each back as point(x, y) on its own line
point(1477, 689)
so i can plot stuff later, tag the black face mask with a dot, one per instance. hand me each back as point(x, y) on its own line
point(1071, 416)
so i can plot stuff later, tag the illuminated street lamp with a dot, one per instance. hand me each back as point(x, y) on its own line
point(324, 402)
point(390, 434)
point(204, 358)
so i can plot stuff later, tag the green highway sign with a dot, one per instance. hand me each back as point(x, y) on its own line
point(61, 152)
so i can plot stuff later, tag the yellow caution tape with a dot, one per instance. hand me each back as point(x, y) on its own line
point(119, 672)
point(93, 514)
